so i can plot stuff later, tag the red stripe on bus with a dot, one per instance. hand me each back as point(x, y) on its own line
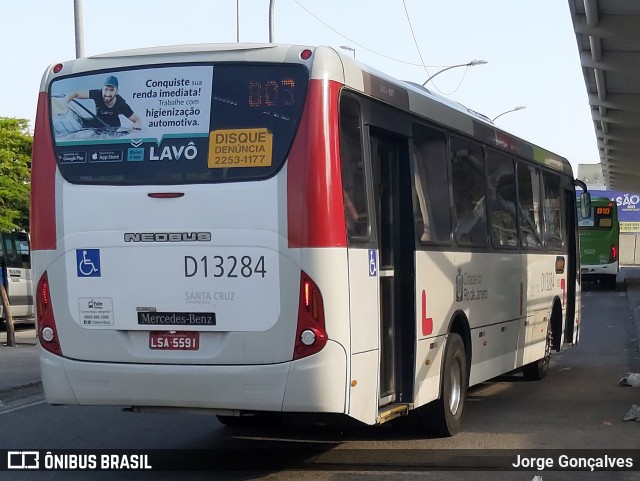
point(43, 174)
point(315, 209)
point(427, 322)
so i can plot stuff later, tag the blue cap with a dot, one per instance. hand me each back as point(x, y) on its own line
point(111, 81)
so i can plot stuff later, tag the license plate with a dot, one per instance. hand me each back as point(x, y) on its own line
point(174, 341)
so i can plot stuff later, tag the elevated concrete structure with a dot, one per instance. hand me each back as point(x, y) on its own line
point(608, 37)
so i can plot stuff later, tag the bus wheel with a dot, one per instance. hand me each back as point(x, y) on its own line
point(442, 417)
point(249, 421)
point(538, 370)
point(611, 281)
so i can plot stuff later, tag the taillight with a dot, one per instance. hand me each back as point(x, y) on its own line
point(47, 332)
point(613, 256)
point(311, 335)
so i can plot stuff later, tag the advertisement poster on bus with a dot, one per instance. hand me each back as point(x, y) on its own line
point(628, 208)
point(130, 115)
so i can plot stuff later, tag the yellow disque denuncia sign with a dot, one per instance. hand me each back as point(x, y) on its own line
point(240, 148)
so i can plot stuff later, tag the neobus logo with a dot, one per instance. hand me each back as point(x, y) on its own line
point(167, 237)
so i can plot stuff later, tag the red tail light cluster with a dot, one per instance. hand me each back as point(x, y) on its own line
point(311, 335)
point(613, 256)
point(47, 332)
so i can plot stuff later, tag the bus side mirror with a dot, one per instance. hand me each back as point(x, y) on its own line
point(585, 204)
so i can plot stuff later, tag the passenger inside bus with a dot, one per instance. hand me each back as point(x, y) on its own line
point(353, 174)
point(433, 217)
point(469, 198)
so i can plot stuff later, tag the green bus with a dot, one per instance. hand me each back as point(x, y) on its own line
point(600, 242)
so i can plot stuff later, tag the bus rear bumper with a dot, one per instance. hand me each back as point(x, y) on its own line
point(597, 270)
point(313, 384)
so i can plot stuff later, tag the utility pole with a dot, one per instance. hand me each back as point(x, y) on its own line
point(77, 16)
point(6, 311)
point(272, 4)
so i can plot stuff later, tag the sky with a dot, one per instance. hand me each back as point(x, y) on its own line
point(530, 47)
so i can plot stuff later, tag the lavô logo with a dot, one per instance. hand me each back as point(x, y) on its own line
point(174, 152)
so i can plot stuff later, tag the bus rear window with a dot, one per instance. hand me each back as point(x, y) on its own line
point(176, 124)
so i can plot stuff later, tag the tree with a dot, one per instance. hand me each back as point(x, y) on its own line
point(15, 168)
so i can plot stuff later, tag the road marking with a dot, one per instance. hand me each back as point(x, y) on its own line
point(22, 406)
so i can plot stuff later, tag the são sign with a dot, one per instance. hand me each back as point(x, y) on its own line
point(628, 208)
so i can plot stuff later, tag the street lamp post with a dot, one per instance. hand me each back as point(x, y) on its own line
point(473, 63)
point(78, 20)
point(515, 109)
point(272, 6)
point(350, 49)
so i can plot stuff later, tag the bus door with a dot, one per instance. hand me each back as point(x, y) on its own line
point(571, 335)
point(396, 245)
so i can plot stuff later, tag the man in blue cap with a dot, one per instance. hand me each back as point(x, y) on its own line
point(109, 105)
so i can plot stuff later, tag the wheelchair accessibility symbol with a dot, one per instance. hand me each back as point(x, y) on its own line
point(373, 263)
point(88, 262)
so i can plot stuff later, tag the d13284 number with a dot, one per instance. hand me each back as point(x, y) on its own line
point(224, 266)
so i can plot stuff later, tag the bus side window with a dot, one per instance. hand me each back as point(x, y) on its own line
point(353, 172)
point(469, 193)
point(553, 228)
point(10, 254)
point(502, 200)
point(529, 205)
point(429, 154)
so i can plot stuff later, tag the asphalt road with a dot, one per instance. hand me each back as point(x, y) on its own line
point(578, 406)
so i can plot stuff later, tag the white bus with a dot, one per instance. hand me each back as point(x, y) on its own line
point(15, 275)
point(288, 231)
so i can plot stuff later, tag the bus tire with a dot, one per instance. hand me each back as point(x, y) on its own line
point(611, 281)
point(442, 417)
point(539, 369)
point(236, 421)
point(249, 421)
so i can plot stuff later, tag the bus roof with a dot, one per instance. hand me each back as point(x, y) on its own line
point(597, 198)
point(420, 100)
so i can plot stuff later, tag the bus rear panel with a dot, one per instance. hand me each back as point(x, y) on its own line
point(171, 256)
point(600, 242)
